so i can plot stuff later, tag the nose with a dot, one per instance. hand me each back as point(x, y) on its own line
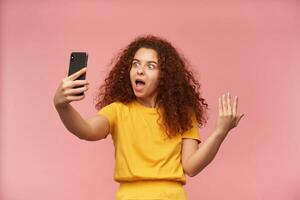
point(140, 71)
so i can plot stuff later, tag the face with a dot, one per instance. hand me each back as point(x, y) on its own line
point(144, 74)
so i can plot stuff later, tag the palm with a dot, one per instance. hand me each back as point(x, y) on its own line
point(228, 117)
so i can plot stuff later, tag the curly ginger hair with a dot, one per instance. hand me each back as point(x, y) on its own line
point(178, 95)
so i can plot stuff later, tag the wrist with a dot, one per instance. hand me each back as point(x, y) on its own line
point(220, 133)
point(61, 106)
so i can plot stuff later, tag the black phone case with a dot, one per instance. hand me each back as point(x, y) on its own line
point(78, 60)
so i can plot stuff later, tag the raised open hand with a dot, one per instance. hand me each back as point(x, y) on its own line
point(228, 117)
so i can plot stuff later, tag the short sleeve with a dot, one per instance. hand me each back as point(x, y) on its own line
point(193, 133)
point(110, 112)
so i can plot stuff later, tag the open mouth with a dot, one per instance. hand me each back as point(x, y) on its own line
point(139, 82)
point(139, 85)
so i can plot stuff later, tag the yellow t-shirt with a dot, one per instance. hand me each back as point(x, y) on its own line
point(142, 150)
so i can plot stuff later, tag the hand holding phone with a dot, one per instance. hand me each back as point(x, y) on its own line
point(78, 60)
point(73, 86)
point(69, 88)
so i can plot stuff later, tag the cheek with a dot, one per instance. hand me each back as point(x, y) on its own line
point(154, 79)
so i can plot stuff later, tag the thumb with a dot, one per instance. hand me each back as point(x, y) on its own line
point(239, 118)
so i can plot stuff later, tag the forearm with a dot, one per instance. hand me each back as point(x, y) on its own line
point(73, 121)
point(206, 153)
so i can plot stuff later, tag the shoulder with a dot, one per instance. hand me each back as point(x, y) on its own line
point(116, 106)
point(114, 111)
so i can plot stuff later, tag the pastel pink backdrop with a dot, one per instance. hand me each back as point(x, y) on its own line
point(249, 48)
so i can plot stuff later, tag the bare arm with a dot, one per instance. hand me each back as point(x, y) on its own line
point(195, 159)
point(91, 129)
point(94, 128)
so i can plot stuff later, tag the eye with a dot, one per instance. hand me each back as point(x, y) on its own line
point(151, 66)
point(135, 64)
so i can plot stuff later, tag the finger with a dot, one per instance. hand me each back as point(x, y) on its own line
point(77, 83)
point(220, 106)
point(229, 103)
point(224, 104)
point(80, 83)
point(75, 98)
point(75, 91)
point(238, 120)
point(77, 74)
point(237, 103)
point(234, 109)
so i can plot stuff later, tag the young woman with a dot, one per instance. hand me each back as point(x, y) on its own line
point(151, 106)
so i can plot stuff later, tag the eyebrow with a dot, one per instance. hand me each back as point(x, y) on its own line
point(147, 61)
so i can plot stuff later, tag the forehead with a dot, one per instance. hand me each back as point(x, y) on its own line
point(146, 54)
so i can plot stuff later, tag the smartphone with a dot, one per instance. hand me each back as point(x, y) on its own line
point(78, 60)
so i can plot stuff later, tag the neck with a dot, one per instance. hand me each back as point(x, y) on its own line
point(147, 102)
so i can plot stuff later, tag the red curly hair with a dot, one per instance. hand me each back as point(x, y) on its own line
point(178, 97)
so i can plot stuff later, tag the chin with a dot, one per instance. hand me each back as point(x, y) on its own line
point(138, 95)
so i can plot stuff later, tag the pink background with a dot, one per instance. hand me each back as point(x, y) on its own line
point(249, 48)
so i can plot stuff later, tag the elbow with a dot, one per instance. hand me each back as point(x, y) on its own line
point(81, 137)
point(194, 172)
point(93, 137)
point(188, 170)
point(88, 138)
point(190, 173)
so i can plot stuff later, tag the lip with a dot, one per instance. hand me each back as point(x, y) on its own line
point(135, 85)
point(139, 79)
